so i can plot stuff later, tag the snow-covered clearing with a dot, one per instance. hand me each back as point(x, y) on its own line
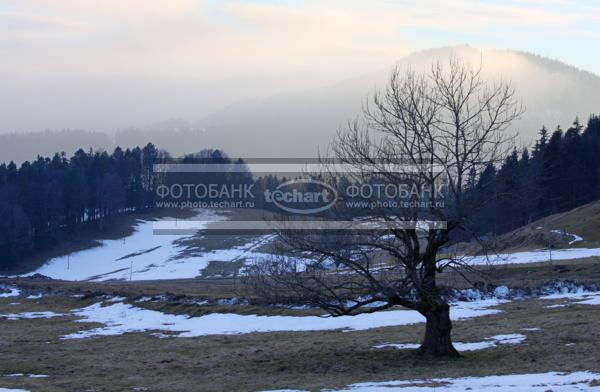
point(144, 256)
point(120, 318)
point(540, 382)
point(490, 342)
point(12, 390)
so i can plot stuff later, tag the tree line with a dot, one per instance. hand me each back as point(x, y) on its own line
point(559, 172)
point(46, 201)
point(49, 200)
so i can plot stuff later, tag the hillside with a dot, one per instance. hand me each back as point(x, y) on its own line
point(584, 222)
point(577, 228)
point(294, 123)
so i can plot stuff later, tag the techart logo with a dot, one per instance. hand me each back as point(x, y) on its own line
point(302, 196)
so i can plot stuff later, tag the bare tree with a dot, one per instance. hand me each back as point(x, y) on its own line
point(428, 131)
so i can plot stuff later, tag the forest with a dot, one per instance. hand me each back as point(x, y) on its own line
point(559, 172)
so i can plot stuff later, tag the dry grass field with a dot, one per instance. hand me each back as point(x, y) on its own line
point(259, 361)
point(568, 340)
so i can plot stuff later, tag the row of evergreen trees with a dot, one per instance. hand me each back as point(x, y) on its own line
point(47, 200)
point(560, 172)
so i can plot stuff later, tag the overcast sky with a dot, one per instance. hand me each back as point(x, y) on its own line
point(56, 55)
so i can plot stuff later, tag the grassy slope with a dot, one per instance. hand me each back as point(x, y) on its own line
point(583, 221)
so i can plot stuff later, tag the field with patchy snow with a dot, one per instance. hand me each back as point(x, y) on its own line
point(54, 341)
point(162, 331)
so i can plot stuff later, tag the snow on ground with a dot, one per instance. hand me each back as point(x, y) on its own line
point(12, 390)
point(541, 382)
point(142, 256)
point(535, 256)
point(30, 315)
point(490, 342)
point(581, 298)
point(146, 256)
point(12, 291)
point(120, 318)
point(285, 390)
point(575, 237)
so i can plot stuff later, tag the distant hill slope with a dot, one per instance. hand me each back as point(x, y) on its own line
point(582, 221)
point(294, 124)
point(577, 228)
point(299, 123)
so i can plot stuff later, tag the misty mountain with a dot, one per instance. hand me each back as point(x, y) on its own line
point(294, 124)
point(299, 123)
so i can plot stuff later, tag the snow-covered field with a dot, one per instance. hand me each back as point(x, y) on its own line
point(120, 318)
point(143, 256)
point(541, 382)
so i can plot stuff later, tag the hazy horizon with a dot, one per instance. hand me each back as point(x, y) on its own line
point(110, 65)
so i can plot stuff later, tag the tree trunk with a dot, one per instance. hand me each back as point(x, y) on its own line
point(438, 340)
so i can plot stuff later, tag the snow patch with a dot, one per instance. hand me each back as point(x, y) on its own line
point(536, 256)
point(487, 343)
point(540, 382)
point(116, 299)
point(286, 390)
point(30, 315)
point(501, 292)
point(580, 297)
point(120, 318)
point(12, 291)
point(575, 237)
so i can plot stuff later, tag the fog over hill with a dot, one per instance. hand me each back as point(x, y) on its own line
point(301, 122)
point(293, 124)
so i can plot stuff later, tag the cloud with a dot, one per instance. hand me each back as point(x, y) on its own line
point(216, 39)
point(119, 9)
point(272, 44)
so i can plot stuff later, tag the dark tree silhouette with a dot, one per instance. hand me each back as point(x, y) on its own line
point(451, 125)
